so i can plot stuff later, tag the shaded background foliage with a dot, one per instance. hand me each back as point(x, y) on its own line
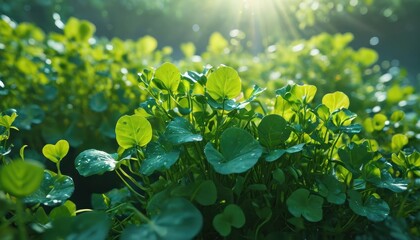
point(388, 26)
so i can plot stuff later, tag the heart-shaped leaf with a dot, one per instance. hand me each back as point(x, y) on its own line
point(206, 193)
point(303, 93)
point(239, 152)
point(232, 216)
point(273, 130)
point(133, 131)
point(54, 190)
point(224, 83)
point(158, 158)
point(177, 220)
point(91, 162)
point(336, 101)
point(375, 209)
point(21, 178)
point(180, 131)
point(7, 121)
point(56, 152)
point(332, 189)
point(169, 76)
point(302, 203)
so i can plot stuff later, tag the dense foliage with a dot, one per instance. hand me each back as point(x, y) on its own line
point(325, 145)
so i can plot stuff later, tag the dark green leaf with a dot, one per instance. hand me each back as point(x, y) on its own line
point(302, 203)
point(54, 190)
point(177, 220)
point(373, 208)
point(92, 162)
point(276, 154)
point(355, 156)
point(206, 193)
point(98, 102)
point(273, 130)
point(232, 216)
point(158, 158)
point(332, 189)
point(239, 152)
point(180, 131)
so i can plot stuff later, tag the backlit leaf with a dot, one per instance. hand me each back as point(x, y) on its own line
point(335, 101)
point(224, 83)
point(133, 131)
point(169, 75)
point(56, 152)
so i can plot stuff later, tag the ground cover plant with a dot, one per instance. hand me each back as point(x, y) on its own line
point(202, 157)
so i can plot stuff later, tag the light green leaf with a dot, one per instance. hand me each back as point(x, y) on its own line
point(56, 152)
point(133, 131)
point(303, 93)
point(224, 83)
point(54, 190)
point(335, 101)
point(169, 75)
point(239, 152)
point(398, 142)
point(21, 178)
point(379, 121)
point(7, 121)
point(92, 162)
point(302, 203)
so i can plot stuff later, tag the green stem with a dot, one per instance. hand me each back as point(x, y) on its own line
point(20, 211)
point(129, 187)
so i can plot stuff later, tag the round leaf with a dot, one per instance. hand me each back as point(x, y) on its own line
point(224, 83)
point(398, 142)
point(180, 131)
point(206, 193)
point(232, 216)
point(158, 158)
point(335, 101)
point(373, 208)
point(273, 130)
point(239, 152)
point(54, 190)
point(91, 162)
point(133, 131)
point(302, 203)
point(177, 220)
point(304, 93)
point(21, 178)
point(57, 151)
point(169, 76)
point(98, 102)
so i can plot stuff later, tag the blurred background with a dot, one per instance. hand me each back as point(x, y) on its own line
point(391, 27)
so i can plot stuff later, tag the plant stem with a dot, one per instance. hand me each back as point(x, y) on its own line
point(20, 211)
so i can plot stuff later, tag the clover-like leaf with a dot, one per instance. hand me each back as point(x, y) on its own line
point(56, 152)
point(133, 131)
point(205, 193)
point(332, 189)
point(54, 190)
point(375, 209)
point(169, 76)
point(158, 158)
point(398, 142)
point(273, 130)
point(335, 101)
point(224, 83)
point(379, 121)
point(302, 203)
point(21, 178)
point(304, 93)
point(239, 152)
point(355, 156)
point(7, 121)
point(180, 131)
point(178, 219)
point(232, 216)
point(92, 162)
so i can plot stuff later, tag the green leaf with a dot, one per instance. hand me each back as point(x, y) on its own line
point(398, 142)
point(21, 178)
point(302, 203)
point(336, 101)
point(355, 156)
point(206, 193)
point(68, 209)
point(276, 154)
point(386, 180)
point(28, 115)
point(89, 225)
point(158, 158)
point(56, 152)
point(379, 121)
point(373, 208)
point(239, 152)
point(273, 130)
point(98, 102)
point(133, 131)
point(232, 216)
point(303, 93)
point(224, 83)
point(7, 121)
point(332, 189)
point(92, 162)
point(169, 76)
point(177, 220)
point(180, 131)
point(54, 190)
point(279, 176)
point(351, 129)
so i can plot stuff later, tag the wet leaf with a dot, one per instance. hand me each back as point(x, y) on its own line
point(92, 162)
